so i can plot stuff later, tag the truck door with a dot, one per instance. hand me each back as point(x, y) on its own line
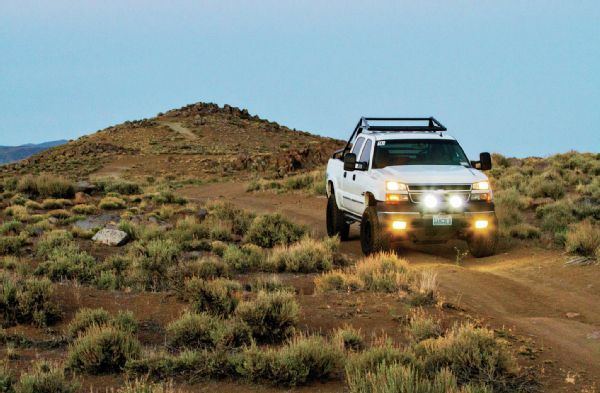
point(356, 181)
point(345, 197)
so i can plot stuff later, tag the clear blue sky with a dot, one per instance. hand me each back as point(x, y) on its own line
point(517, 77)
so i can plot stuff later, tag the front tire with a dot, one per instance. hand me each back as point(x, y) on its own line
point(336, 224)
point(373, 238)
point(483, 245)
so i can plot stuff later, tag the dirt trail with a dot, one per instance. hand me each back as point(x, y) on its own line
point(179, 128)
point(527, 289)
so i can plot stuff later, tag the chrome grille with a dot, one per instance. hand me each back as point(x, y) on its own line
point(443, 191)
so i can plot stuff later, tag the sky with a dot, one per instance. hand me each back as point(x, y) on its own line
point(516, 77)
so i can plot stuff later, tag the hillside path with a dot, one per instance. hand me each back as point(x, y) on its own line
point(180, 129)
point(525, 289)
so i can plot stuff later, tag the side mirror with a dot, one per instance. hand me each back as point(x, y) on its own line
point(484, 163)
point(485, 160)
point(349, 161)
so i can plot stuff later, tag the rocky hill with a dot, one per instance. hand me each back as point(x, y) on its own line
point(15, 153)
point(200, 140)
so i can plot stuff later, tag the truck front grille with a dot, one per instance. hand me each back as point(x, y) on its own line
point(444, 191)
point(439, 187)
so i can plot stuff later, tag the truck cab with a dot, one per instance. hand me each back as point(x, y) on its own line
point(407, 181)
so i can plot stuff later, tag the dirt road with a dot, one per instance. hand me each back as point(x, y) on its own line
point(525, 289)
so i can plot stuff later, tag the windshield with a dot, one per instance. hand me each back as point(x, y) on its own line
point(419, 152)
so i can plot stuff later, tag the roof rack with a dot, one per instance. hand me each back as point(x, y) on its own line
point(363, 125)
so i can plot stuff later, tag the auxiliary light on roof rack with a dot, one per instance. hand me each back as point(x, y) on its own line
point(430, 125)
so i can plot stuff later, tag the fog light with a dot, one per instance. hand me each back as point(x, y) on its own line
point(481, 224)
point(395, 198)
point(430, 201)
point(399, 224)
point(456, 201)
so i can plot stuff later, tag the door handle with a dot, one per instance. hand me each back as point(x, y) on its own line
point(345, 173)
point(353, 177)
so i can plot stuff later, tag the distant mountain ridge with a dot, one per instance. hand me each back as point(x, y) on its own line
point(10, 154)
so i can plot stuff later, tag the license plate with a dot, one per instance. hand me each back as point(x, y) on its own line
point(442, 220)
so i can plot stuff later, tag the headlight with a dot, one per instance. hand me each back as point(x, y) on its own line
point(395, 186)
point(481, 185)
point(430, 201)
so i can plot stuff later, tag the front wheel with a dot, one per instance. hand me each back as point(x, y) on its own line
point(483, 245)
point(373, 238)
point(336, 224)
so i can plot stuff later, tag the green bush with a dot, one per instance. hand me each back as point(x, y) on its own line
point(206, 268)
point(12, 227)
point(102, 349)
point(46, 378)
point(111, 203)
point(152, 262)
point(27, 301)
point(524, 231)
point(270, 230)
point(7, 379)
point(546, 186)
point(583, 238)
point(88, 317)
point(52, 240)
point(119, 186)
point(53, 203)
point(473, 355)
point(193, 330)
point(383, 272)
point(11, 245)
point(306, 256)
point(422, 326)
point(68, 263)
point(219, 296)
point(272, 316)
point(17, 212)
point(84, 209)
point(349, 338)
point(248, 257)
point(142, 386)
point(301, 360)
point(46, 186)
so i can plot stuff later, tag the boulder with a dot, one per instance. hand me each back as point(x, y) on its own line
point(202, 213)
point(111, 237)
point(94, 222)
point(84, 186)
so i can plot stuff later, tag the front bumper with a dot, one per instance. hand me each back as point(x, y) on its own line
point(420, 226)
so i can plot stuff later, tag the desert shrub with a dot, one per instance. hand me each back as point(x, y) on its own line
point(219, 230)
point(360, 365)
point(11, 245)
point(27, 301)
point(424, 290)
point(555, 218)
point(205, 268)
point(12, 227)
point(118, 186)
point(52, 240)
point(188, 231)
point(245, 258)
point(68, 262)
point(7, 379)
point(113, 272)
point(164, 197)
point(422, 326)
point(306, 256)
point(46, 378)
point(193, 330)
point(270, 230)
point(46, 186)
point(53, 203)
point(268, 284)
point(272, 316)
point(524, 231)
point(84, 209)
point(218, 247)
point(33, 205)
point(583, 238)
point(473, 355)
point(383, 272)
point(219, 296)
point(142, 386)
point(301, 360)
point(88, 317)
point(19, 213)
point(337, 280)
point(349, 338)
point(546, 185)
point(153, 260)
point(102, 349)
point(111, 203)
point(59, 213)
point(391, 378)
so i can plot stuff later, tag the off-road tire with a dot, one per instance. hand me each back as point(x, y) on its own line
point(483, 245)
point(373, 238)
point(336, 224)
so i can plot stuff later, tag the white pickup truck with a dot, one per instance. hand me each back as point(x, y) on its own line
point(404, 180)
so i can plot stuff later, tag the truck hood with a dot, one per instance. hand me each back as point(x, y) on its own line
point(431, 174)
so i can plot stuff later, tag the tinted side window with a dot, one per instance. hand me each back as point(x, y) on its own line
point(357, 145)
point(366, 153)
